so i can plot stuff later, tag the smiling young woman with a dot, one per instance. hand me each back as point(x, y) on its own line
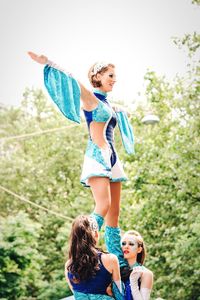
point(102, 170)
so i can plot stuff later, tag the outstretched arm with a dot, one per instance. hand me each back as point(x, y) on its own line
point(89, 100)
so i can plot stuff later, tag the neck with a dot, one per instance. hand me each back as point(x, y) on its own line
point(100, 92)
point(131, 261)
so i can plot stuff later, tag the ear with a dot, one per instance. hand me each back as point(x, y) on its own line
point(96, 234)
point(98, 77)
point(139, 249)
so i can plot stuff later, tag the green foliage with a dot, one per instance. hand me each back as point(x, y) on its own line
point(20, 259)
point(44, 169)
point(163, 191)
point(197, 2)
point(191, 42)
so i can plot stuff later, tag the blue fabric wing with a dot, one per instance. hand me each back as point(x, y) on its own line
point(65, 92)
point(126, 132)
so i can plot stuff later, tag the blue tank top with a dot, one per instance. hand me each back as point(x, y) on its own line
point(94, 285)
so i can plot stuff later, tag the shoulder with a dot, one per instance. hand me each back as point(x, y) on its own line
point(147, 277)
point(110, 261)
point(67, 264)
point(147, 271)
point(109, 258)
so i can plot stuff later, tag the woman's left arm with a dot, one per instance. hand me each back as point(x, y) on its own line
point(146, 283)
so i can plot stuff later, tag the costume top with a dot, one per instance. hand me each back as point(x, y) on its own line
point(102, 162)
point(65, 92)
point(104, 113)
point(94, 285)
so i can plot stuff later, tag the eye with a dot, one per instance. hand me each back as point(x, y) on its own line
point(123, 243)
point(131, 244)
point(111, 75)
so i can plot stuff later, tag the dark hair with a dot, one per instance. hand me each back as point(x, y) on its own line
point(125, 272)
point(92, 77)
point(83, 253)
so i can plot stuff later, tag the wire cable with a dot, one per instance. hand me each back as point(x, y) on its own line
point(34, 204)
point(27, 135)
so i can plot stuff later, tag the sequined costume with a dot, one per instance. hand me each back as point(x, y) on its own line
point(98, 161)
point(65, 92)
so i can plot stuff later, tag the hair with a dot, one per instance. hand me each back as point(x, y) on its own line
point(83, 253)
point(92, 77)
point(126, 271)
point(140, 256)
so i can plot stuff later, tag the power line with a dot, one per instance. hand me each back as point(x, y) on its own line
point(34, 204)
point(27, 135)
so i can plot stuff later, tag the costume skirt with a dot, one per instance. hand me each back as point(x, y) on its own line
point(97, 163)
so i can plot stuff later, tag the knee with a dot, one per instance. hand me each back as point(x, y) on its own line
point(105, 207)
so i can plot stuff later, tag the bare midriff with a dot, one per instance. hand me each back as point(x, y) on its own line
point(97, 134)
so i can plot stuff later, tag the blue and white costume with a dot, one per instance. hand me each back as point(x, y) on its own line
point(98, 162)
point(102, 162)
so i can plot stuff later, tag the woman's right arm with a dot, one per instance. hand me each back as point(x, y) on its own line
point(117, 286)
point(89, 100)
point(66, 276)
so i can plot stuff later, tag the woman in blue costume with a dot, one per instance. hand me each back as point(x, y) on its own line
point(89, 271)
point(102, 170)
point(130, 250)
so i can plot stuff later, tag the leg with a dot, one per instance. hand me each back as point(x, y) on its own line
point(100, 187)
point(112, 216)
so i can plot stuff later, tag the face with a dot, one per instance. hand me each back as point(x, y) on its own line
point(129, 246)
point(107, 79)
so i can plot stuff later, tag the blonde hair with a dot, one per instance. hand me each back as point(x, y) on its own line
point(140, 256)
point(92, 77)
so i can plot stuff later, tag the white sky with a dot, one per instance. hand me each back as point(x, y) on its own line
point(134, 35)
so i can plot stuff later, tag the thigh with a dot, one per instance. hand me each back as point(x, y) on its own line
point(100, 187)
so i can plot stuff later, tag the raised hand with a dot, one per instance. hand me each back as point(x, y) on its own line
point(41, 59)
